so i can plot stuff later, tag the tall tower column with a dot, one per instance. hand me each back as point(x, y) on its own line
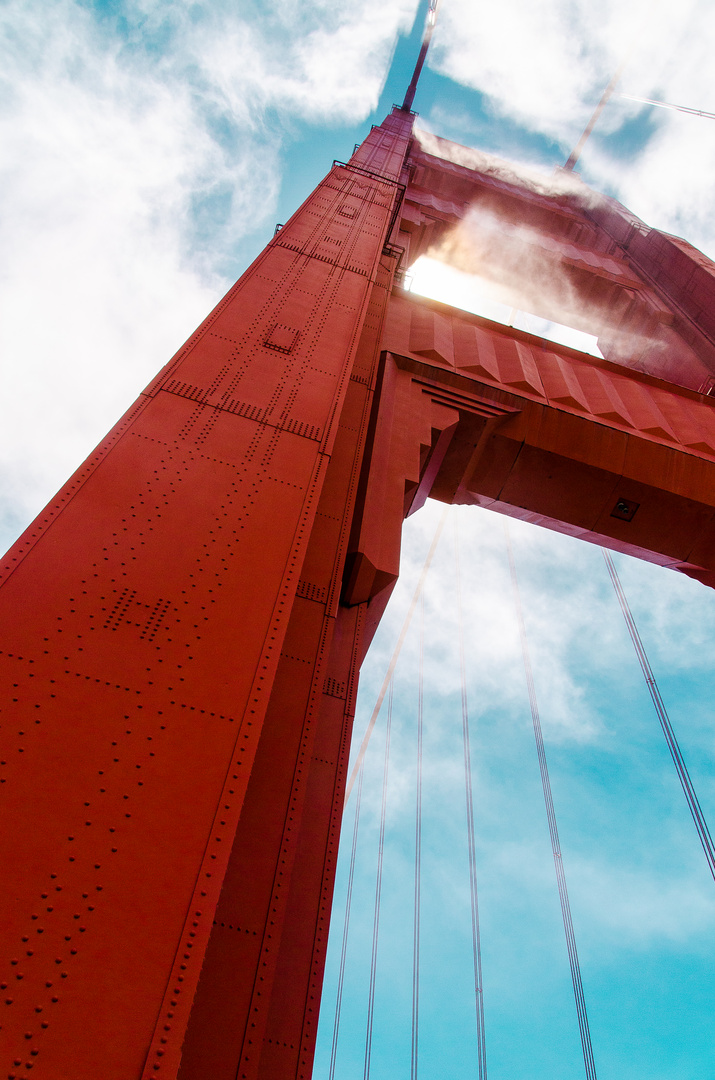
point(178, 684)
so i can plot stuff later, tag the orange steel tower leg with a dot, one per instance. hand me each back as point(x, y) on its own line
point(152, 849)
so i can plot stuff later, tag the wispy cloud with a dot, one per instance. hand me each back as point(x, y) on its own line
point(632, 854)
point(545, 67)
point(141, 149)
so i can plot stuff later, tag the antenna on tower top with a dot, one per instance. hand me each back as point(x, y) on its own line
point(426, 38)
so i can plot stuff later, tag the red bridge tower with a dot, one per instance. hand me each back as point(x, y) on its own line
point(183, 626)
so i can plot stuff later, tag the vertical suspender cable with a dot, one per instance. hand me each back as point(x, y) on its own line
point(378, 891)
point(476, 938)
point(675, 752)
point(346, 927)
point(553, 831)
point(418, 855)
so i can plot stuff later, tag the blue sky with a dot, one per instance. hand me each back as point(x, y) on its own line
point(641, 894)
point(149, 150)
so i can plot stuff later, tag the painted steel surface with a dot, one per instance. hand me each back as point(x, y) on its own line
point(146, 617)
point(182, 628)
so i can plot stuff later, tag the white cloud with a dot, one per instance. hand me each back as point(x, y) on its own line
point(137, 156)
point(546, 66)
point(632, 854)
point(668, 185)
point(560, 625)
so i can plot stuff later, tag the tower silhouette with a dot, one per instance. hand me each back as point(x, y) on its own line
point(184, 624)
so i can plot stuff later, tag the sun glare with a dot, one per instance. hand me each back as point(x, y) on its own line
point(438, 281)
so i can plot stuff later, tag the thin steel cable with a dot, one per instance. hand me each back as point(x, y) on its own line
point(346, 928)
point(398, 647)
point(473, 891)
point(378, 892)
point(661, 712)
point(668, 105)
point(418, 854)
point(553, 831)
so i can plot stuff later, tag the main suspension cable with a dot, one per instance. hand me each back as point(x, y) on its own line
point(378, 891)
point(668, 105)
point(346, 928)
point(473, 891)
point(418, 854)
point(661, 712)
point(553, 831)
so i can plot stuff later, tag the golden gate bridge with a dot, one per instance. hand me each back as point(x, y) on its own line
point(184, 624)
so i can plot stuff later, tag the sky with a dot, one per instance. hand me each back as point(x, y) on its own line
point(149, 149)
